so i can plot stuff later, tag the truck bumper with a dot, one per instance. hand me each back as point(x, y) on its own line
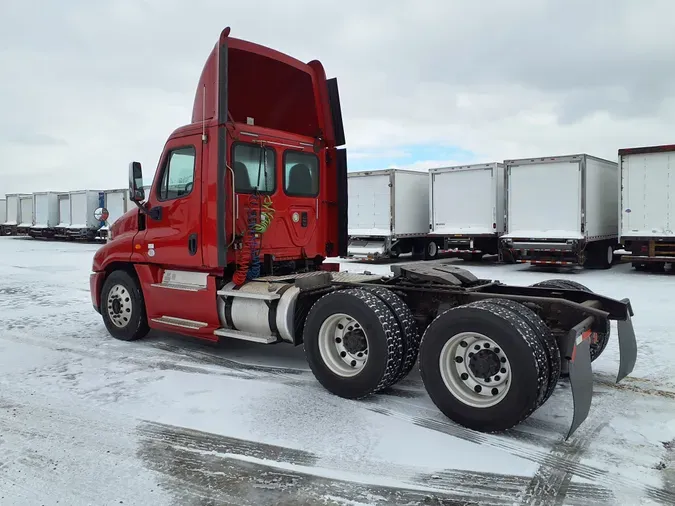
point(95, 284)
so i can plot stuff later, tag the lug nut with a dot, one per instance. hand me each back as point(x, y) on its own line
point(353, 363)
point(464, 376)
point(496, 350)
point(495, 391)
point(497, 378)
point(459, 360)
point(463, 344)
point(477, 347)
point(478, 389)
point(343, 354)
point(338, 340)
point(486, 345)
point(503, 370)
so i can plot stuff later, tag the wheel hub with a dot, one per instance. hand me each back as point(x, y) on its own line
point(355, 341)
point(484, 364)
point(116, 305)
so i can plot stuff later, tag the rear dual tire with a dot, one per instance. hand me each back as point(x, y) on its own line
point(489, 364)
point(360, 341)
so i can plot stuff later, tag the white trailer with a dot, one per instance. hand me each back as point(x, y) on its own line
point(647, 206)
point(467, 208)
point(3, 211)
point(561, 210)
point(64, 214)
point(388, 214)
point(12, 212)
point(26, 214)
point(46, 212)
point(83, 223)
point(116, 202)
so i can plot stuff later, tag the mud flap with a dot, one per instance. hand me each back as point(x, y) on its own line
point(627, 344)
point(580, 372)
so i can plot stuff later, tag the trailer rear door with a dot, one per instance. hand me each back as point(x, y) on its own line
point(647, 198)
point(544, 200)
point(115, 204)
point(369, 205)
point(463, 202)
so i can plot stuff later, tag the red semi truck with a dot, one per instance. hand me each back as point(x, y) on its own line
point(248, 202)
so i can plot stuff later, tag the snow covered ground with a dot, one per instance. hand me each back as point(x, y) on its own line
point(86, 419)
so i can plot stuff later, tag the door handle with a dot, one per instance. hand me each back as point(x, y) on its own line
point(192, 244)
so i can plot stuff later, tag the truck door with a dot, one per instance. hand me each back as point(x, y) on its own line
point(175, 239)
point(301, 187)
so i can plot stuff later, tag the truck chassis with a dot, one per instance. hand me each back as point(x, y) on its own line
point(489, 354)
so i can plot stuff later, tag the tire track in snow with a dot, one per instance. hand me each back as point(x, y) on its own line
point(552, 482)
point(535, 455)
point(194, 450)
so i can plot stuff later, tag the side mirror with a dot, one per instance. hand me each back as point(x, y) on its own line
point(136, 191)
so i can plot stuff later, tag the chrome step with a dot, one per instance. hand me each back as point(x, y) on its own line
point(180, 322)
point(249, 295)
point(178, 286)
point(245, 336)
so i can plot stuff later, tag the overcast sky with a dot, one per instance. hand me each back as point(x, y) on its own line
point(88, 86)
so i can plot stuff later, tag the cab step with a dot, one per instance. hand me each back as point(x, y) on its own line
point(180, 322)
point(245, 336)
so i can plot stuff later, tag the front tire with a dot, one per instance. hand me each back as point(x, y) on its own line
point(353, 343)
point(123, 307)
point(483, 366)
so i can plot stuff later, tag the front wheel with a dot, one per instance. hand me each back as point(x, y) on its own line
point(123, 307)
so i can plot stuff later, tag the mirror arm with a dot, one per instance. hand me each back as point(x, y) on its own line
point(154, 213)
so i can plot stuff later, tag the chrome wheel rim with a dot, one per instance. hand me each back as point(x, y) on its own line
point(343, 345)
point(119, 306)
point(475, 369)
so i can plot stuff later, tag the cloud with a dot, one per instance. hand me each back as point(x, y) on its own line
point(94, 85)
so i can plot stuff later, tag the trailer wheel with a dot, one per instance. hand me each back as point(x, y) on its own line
point(431, 250)
point(483, 366)
point(407, 324)
point(353, 343)
point(123, 307)
point(545, 336)
point(600, 340)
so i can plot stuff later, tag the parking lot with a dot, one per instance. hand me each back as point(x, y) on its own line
point(86, 419)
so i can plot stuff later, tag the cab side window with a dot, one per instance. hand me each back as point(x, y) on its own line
point(254, 168)
point(179, 174)
point(301, 174)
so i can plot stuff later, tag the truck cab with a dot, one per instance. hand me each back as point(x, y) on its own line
point(254, 185)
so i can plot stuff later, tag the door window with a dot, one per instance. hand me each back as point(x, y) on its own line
point(254, 168)
point(301, 174)
point(179, 174)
